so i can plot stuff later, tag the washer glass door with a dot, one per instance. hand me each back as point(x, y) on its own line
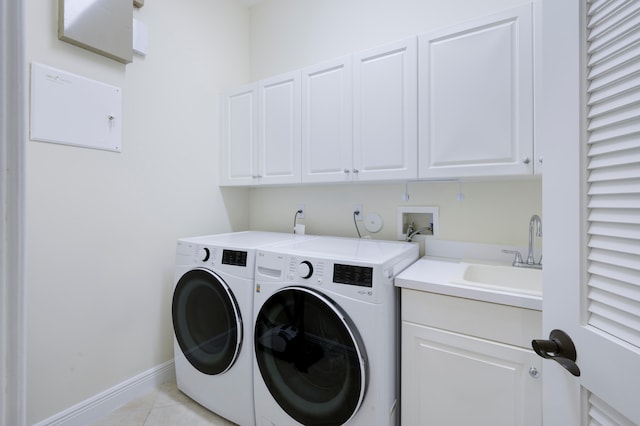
point(206, 321)
point(310, 356)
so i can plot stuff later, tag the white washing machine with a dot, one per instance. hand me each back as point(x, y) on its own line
point(212, 313)
point(326, 332)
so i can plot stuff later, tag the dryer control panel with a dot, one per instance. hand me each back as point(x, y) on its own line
point(240, 263)
point(234, 257)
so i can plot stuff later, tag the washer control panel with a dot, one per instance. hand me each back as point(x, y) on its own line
point(303, 270)
point(361, 276)
point(359, 280)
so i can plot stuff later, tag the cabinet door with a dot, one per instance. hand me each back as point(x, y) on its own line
point(476, 97)
point(239, 111)
point(385, 112)
point(279, 129)
point(327, 126)
point(454, 379)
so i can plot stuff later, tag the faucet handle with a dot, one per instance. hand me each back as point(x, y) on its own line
point(518, 257)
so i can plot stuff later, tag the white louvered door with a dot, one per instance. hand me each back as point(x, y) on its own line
point(590, 94)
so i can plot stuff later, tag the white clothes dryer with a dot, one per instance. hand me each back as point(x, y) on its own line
point(326, 332)
point(212, 312)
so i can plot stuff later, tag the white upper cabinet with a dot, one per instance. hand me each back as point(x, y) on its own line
point(261, 133)
point(385, 137)
point(327, 126)
point(476, 98)
point(359, 116)
point(452, 103)
point(238, 158)
point(279, 129)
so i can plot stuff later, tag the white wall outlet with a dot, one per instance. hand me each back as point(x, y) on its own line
point(357, 211)
point(298, 208)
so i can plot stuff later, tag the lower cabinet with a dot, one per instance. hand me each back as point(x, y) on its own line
point(468, 362)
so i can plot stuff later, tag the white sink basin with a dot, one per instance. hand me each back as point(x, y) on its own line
point(503, 278)
point(485, 281)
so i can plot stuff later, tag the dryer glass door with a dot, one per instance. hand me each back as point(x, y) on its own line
point(310, 356)
point(206, 321)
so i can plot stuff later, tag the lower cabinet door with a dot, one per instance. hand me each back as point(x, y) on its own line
point(455, 379)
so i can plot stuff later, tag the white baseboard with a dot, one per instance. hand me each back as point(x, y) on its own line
point(102, 404)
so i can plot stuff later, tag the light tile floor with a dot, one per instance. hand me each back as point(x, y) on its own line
point(166, 406)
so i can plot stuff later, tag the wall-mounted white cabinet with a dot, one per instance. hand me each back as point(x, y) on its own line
point(476, 97)
point(359, 116)
point(468, 362)
point(385, 137)
point(279, 129)
point(261, 133)
point(239, 144)
point(452, 103)
point(327, 121)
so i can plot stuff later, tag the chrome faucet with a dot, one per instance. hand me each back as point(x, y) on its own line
point(530, 262)
point(535, 220)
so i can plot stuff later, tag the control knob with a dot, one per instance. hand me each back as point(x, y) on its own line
point(203, 254)
point(305, 269)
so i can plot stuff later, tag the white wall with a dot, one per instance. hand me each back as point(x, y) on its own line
point(291, 34)
point(101, 226)
point(496, 212)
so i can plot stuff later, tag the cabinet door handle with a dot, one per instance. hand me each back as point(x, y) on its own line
point(559, 348)
point(526, 160)
point(356, 171)
point(347, 171)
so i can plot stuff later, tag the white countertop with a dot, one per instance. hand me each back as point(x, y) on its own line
point(435, 275)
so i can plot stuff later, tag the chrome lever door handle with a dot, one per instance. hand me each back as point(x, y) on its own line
point(559, 348)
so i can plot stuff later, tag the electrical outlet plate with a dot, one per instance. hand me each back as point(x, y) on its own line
point(358, 208)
